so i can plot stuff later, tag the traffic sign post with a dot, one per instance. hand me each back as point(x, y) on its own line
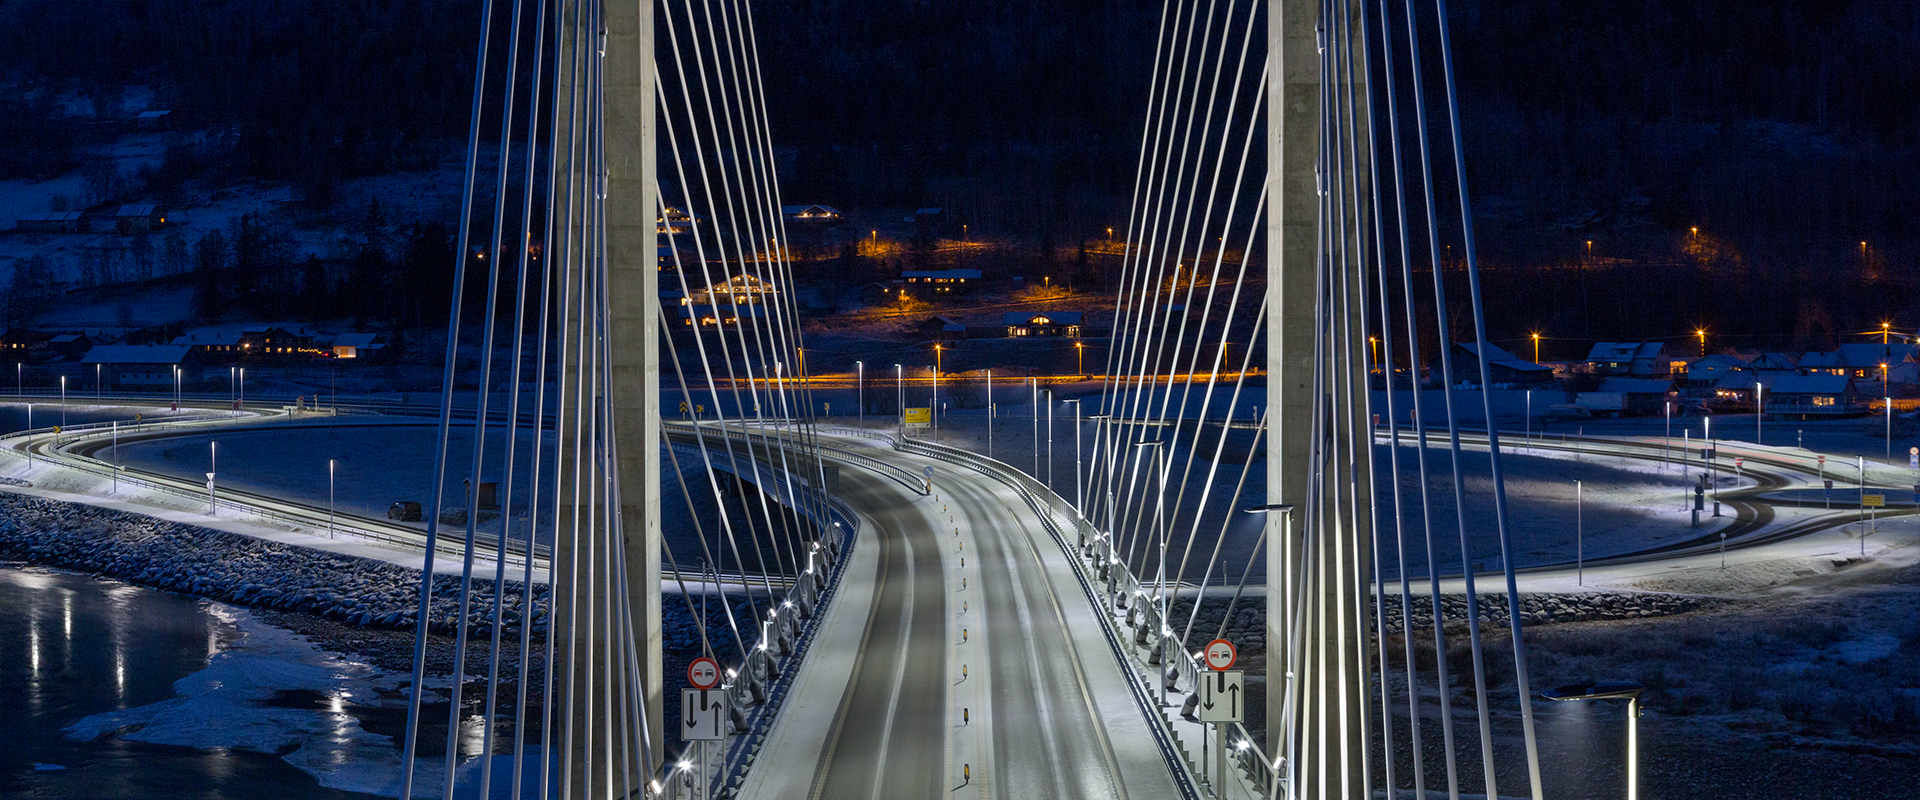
point(1221, 696)
point(704, 715)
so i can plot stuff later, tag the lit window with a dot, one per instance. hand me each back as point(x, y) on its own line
point(1823, 401)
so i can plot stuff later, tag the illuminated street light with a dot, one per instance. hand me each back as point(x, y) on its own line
point(1613, 690)
point(1080, 351)
point(1536, 348)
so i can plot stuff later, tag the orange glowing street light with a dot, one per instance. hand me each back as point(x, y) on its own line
point(1886, 332)
point(1080, 352)
point(936, 359)
point(1702, 333)
point(1536, 347)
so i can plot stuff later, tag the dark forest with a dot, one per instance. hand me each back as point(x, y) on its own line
point(1785, 132)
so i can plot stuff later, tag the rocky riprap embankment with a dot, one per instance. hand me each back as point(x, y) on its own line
point(1541, 609)
point(241, 570)
point(1248, 627)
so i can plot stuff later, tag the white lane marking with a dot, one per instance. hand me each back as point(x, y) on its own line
point(899, 672)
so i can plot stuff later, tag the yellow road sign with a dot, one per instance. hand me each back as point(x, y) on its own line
point(919, 417)
point(1873, 500)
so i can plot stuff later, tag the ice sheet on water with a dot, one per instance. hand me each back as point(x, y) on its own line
point(227, 705)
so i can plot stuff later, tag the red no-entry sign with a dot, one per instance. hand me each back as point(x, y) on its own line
point(1220, 655)
point(703, 673)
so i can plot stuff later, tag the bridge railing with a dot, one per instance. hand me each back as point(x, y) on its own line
point(1253, 776)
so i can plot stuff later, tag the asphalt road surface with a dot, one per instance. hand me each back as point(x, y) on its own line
point(1041, 707)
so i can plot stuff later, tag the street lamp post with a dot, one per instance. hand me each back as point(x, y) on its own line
point(990, 413)
point(1580, 533)
point(213, 467)
point(1159, 509)
point(860, 390)
point(1050, 458)
point(1034, 383)
point(1889, 458)
point(933, 404)
point(63, 401)
point(116, 456)
point(1759, 412)
point(1613, 690)
point(1077, 464)
point(330, 499)
point(1080, 353)
point(1536, 348)
point(96, 381)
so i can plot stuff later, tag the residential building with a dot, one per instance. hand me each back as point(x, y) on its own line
point(1640, 359)
point(68, 346)
point(814, 214)
point(273, 341)
point(139, 218)
point(941, 329)
point(1045, 323)
point(1709, 370)
point(358, 345)
point(722, 316)
point(741, 289)
point(1812, 396)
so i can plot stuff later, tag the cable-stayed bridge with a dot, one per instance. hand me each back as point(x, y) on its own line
point(866, 612)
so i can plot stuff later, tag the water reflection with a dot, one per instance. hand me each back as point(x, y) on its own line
point(71, 646)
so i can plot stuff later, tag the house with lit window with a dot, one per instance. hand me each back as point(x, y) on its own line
point(813, 215)
point(723, 316)
point(139, 218)
point(1042, 324)
point(1638, 359)
point(361, 346)
point(1893, 363)
point(941, 281)
point(742, 289)
point(1812, 396)
point(274, 342)
point(1709, 370)
point(676, 221)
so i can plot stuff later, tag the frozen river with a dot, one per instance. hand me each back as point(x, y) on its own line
point(72, 646)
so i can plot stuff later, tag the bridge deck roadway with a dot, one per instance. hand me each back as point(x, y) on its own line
point(1042, 710)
